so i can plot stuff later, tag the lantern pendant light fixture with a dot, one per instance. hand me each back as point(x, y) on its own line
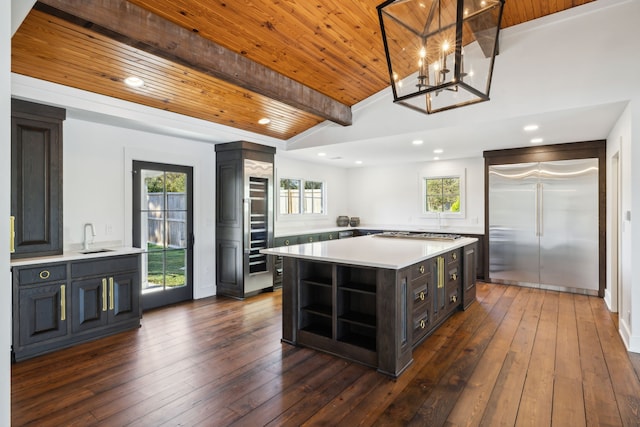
point(440, 53)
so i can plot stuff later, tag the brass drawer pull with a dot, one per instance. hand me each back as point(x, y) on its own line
point(104, 294)
point(423, 324)
point(45, 274)
point(454, 298)
point(111, 297)
point(454, 276)
point(12, 234)
point(63, 303)
point(421, 269)
point(422, 296)
point(286, 242)
point(454, 256)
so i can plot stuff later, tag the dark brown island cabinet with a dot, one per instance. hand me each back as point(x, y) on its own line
point(57, 305)
point(373, 314)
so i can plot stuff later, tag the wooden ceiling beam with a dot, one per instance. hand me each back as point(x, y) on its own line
point(151, 33)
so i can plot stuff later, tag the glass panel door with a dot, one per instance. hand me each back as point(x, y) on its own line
point(163, 228)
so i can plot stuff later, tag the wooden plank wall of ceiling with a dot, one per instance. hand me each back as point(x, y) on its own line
point(331, 46)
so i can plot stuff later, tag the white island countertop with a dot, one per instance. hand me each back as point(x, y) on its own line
point(371, 251)
point(76, 256)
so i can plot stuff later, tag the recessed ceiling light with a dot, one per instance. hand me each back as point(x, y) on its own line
point(322, 154)
point(417, 142)
point(358, 162)
point(531, 128)
point(134, 81)
point(438, 151)
point(264, 121)
point(536, 140)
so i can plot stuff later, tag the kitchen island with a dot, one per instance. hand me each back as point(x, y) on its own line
point(373, 299)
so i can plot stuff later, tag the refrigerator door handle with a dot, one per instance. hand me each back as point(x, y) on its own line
point(537, 209)
point(541, 209)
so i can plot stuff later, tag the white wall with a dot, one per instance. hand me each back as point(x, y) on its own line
point(618, 143)
point(98, 187)
point(5, 202)
point(335, 180)
point(632, 204)
point(391, 195)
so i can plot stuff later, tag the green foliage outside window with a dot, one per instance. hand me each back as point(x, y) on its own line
point(443, 194)
point(175, 182)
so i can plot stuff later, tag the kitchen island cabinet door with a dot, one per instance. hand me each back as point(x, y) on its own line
point(470, 262)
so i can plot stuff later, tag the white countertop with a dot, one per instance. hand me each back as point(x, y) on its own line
point(371, 251)
point(75, 256)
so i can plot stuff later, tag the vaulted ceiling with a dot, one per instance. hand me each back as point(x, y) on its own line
point(296, 62)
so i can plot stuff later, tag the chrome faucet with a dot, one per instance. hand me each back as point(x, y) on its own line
point(85, 244)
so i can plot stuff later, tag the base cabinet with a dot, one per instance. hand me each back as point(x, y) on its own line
point(62, 304)
point(371, 315)
point(42, 314)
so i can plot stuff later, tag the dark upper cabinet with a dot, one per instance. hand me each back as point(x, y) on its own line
point(36, 178)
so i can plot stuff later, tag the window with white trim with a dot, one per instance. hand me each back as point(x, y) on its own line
point(443, 195)
point(301, 197)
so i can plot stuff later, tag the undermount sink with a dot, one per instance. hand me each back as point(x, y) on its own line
point(95, 251)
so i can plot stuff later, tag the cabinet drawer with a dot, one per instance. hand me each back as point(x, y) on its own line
point(421, 269)
point(104, 266)
point(285, 241)
point(453, 276)
point(453, 257)
point(310, 238)
point(42, 274)
point(420, 291)
point(421, 323)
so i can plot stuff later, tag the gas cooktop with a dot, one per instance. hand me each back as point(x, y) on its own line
point(424, 236)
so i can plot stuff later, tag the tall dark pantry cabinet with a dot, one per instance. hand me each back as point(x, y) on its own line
point(244, 218)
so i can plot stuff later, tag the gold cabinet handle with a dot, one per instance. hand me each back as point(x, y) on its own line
point(111, 297)
point(454, 255)
point(422, 296)
point(454, 298)
point(45, 274)
point(63, 302)
point(454, 276)
point(104, 294)
point(286, 242)
point(12, 234)
point(423, 324)
point(440, 272)
point(421, 269)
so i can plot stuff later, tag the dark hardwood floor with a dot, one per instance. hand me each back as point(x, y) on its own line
point(519, 356)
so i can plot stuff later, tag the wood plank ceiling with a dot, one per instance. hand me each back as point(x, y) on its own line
point(330, 53)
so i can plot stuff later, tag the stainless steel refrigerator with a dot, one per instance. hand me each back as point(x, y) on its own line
point(543, 225)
